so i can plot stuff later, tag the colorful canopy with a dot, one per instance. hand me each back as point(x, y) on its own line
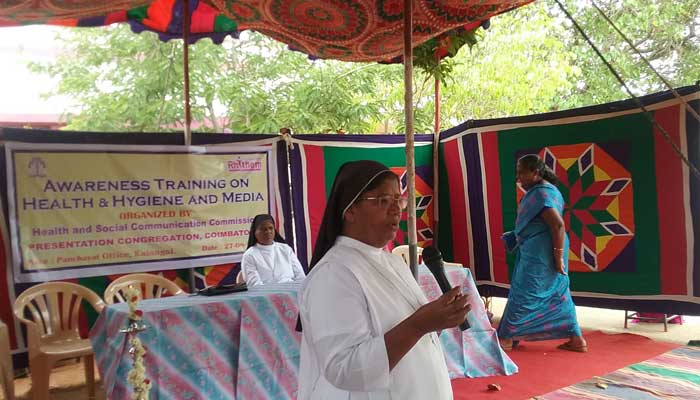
point(349, 30)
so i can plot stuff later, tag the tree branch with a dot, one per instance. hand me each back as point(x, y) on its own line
point(212, 116)
point(161, 110)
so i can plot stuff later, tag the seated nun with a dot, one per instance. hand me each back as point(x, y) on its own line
point(268, 258)
point(368, 331)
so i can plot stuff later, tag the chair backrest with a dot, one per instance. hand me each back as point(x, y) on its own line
point(150, 286)
point(403, 252)
point(51, 310)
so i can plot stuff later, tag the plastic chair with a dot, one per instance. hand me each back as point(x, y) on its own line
point(6, 371)
point(50, 311)
point(151, 286)
point(403, 252)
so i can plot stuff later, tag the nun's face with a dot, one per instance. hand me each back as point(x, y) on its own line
point(265, 233)
point(376, 214)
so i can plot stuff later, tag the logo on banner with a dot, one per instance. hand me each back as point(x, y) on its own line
point(37, 168)
point(244, 165)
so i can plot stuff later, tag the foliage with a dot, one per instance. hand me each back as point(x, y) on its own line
point(531, 60)
point(518, 68)
point(667, 33)
point(435, 57)
point(129, 82)
point(105, 74)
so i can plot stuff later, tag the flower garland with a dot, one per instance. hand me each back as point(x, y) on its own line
point(137, 375)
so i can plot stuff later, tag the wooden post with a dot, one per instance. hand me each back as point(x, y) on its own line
point(436, 176)
point(408, 114)
point(437, 102)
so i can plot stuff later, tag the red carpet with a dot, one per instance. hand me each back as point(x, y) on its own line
point(543, 368)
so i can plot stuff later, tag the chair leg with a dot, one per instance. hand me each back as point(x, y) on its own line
point(89, 361)
point(7, 378)
point(665, 322)
point(626, 319)
point(8, 383)
point(40, 371)
point(487, 303)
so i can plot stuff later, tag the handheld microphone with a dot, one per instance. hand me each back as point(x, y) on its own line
point(433, 260)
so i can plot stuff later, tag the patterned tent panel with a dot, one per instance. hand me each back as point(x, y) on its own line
point(630, 210)
point(349, 30)
point(315, 160)
point(164, 17)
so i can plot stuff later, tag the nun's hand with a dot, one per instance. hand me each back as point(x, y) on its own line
point(446, 312)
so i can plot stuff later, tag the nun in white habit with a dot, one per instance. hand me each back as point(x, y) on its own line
point(268, 258)
point(368, 330)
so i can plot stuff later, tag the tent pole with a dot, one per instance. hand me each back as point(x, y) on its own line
point(437, 104)
point(191, 283)
point(436, 147)
point(186, 69)
point(408, 114)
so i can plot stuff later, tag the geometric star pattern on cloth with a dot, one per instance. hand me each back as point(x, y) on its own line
point(424, 210)
point(598, 203)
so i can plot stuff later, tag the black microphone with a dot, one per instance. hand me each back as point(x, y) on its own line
point(433, 260)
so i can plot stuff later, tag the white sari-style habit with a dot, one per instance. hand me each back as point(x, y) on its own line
point(352, 297)
point(275, 263)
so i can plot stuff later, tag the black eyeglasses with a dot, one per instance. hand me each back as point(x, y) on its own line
point(387, 200)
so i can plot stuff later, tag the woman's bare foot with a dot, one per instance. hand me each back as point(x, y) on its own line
point(506, 344)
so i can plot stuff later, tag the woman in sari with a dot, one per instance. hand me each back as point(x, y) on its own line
point(539, 302)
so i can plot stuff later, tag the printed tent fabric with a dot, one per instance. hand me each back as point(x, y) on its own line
point(631, 205)
point(315, 160)
point(349, 30)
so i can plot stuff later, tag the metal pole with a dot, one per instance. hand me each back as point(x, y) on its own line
point(408, 114)
point(191, 283)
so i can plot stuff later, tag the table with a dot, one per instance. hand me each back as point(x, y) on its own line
point(244, 346)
